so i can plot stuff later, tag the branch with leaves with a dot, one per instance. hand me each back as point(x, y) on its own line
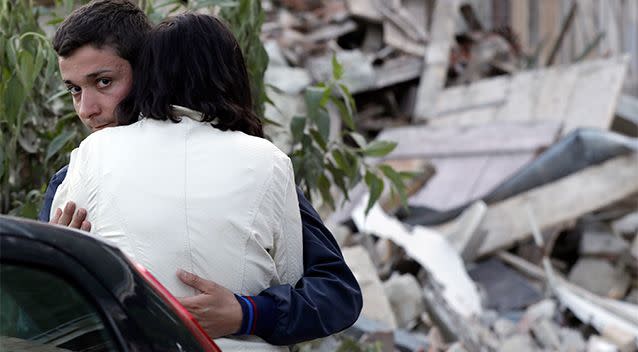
point(346, 160)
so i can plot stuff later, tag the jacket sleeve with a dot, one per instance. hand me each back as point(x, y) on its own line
point(56, 180)
point(326, 300)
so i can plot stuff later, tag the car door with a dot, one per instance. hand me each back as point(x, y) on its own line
point(49, 302)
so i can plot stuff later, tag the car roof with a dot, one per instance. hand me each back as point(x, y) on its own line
point(99, 257)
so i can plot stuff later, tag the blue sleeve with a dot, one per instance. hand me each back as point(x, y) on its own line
point(55, 182)
point(326, 300)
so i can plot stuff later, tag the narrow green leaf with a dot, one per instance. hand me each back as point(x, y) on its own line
point(345, 114)
point(312, 97)
point(375, 186)
point(338, 177)
point(359, 139)
point(58, 143)
point(26, 69)
point(323, 123)
point(397, 182)
point(319, 139)
point(337, 68)
point(1, 162)
point(324, 188)
point(340, 159)
point(352, 166)
point(379, 148)
point(297, 126)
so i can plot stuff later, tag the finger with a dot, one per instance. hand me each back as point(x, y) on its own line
point(78, 217)
point(86, 226)
point(195, 281)
point(56, 216)
point(67, 214)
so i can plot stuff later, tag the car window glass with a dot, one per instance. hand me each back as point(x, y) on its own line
point(38, 308)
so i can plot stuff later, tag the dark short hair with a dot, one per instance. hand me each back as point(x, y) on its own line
point(192, 60)
point(119, 24)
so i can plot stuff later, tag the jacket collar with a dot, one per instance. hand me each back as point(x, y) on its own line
point(192, 114)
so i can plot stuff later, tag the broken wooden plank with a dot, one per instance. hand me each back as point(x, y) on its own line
point(519, 19)
point(567, 22)
point(588, 107)
point(580, 95)
point(331, 31)
point(365, 9)
point(405, 24)
point(401, 69)
point(549, 18)
point(487, 92)
point(436, 58)
point(487, 139)
point(469, 161)
point(560, 201)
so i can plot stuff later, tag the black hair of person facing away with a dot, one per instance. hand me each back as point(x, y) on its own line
point(118, 24)
point(192, 60)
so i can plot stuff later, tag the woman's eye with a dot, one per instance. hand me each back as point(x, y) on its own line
point(74, 90)
point(103, 82)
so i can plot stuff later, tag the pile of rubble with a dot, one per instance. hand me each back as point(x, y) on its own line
point(522, 233)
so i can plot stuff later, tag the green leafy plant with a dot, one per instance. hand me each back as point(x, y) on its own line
point(37, 126)
point(320, 162)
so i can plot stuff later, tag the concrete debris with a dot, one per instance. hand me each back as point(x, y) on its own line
point(546, 333)
point(627, 225)
point(600, 277)
point(376, 306)
point(604, 244)
point(598, 344)
point(505, 134)
point(406, 299)
point(572, 340)
point(504, 328)
point(519, 343)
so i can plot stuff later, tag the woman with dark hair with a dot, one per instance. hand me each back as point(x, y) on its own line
point(187, 181)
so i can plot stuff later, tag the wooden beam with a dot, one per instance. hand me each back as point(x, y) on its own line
point(563, 200)
point(436, 58)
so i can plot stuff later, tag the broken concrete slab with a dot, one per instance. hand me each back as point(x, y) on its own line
point(543, 310)
point(546, 334)
point(505, 288)
point(519, 343)
point(587, 190)
point(430, 250)
point(290, 80)
point(600, 277)
point(376, 305)
point(627, 225)
point(602, 243)
point(504, 328)
point(572, 340)
point(599, 344)
point(406, 299)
